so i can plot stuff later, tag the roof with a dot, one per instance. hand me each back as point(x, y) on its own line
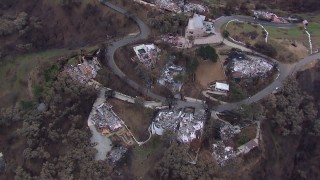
point(222, 86)
point(196, 22)
point(251, 144)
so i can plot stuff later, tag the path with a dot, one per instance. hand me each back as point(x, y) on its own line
point(104, 144)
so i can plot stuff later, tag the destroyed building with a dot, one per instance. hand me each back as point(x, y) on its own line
point(179, 6)
point(248, 66)
point(105, 119)
point(116, 154)
point(192, 7)
point(169, 76)
point(165, 120)
point(168, 5)
point(228, 131)
point(268, 16)
point(147, 54)
point(86, 70)
point(222, 153)
point(189, 126)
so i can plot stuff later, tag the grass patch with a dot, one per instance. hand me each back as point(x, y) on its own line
point(245, 32)
point(284, 55)
point(140, 152)
point(243, 139)
point(294, 33)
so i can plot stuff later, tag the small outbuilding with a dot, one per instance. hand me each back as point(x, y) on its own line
point(222, 87)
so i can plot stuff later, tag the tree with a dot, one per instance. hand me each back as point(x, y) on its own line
point(174, 165)
point(171, 101)
point(208, 52)
point(294, 111)
point(225, 34)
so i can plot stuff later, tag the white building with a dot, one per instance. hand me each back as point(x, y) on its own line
point(196, 27)
point(221, 86)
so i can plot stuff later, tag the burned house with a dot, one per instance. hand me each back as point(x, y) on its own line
point(268, 16)
point(222, 153)
point(166, 120)
point(116, 154)
point(147, 54)
point(106, 120)
point(245, 66)
point(86, 70)
point(188, 126)
point(169, 77)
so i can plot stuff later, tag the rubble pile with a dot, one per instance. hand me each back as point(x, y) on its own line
point(168, 5)
point(180, 6)
point(147, 54)
point(167, 119)
point(173, 40)
point(223, 154)
point(190, 126)
point(85, 71)
point(228, 131)
point(116, 154)
point(192, 7)
point(268, 16)
point(250, 67)
point(170, 72)
point(105, 118)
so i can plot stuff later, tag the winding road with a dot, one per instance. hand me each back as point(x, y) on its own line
point(284, 70)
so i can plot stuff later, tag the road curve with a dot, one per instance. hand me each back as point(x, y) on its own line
point(284, 70)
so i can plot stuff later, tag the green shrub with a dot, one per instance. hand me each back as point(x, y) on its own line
point(208, 52)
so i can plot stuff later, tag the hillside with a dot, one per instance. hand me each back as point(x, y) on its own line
point(37, 25)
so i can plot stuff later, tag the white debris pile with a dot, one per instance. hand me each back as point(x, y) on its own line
point(166, 120)
point(116, 154)
point(190, 126)
point(192, 7)
point(250, 67)
point(178, 6)
point(268, 16)
point(223, 154)
point(169, 75)
point(228, 131)
point(168, 5)
point(147, 54)
point(170, 39)
point(85, 71)
point(105, 118)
